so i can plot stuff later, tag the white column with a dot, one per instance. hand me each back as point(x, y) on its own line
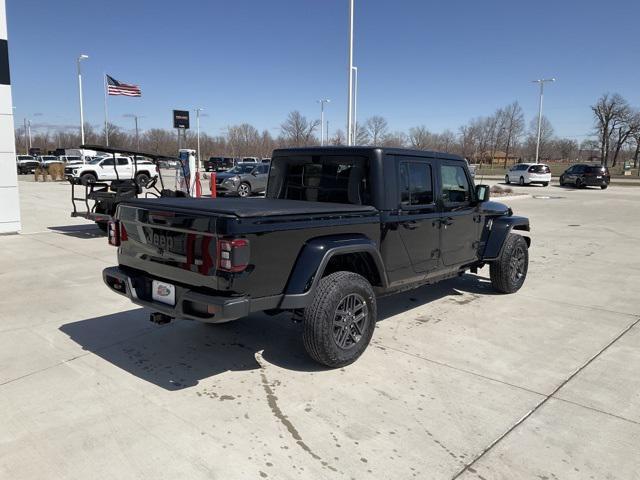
point(9, 199)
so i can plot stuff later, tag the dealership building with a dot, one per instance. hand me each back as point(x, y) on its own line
point(9, 200)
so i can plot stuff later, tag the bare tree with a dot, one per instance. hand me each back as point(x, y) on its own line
point(297, 130)
point(420, 138)
point(394, 139)
point(546, 137)
point(377, 128)
point(362, 135)
point(513, 126)
point(609, 112)
point(629, 126)
point(338, 138)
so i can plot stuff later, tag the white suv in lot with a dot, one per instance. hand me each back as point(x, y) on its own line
point(528, 173)
point(104, 169)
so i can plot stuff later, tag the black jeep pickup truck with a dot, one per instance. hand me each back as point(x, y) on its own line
point(337, 228)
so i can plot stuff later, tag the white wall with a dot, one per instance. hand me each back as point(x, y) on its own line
point(9, 202)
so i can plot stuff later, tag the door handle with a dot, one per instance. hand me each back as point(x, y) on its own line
point(410, 225)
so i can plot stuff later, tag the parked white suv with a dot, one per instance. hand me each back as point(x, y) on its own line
point(528, 173)
point(104, 169)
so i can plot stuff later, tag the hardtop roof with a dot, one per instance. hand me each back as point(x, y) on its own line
point(364, 150)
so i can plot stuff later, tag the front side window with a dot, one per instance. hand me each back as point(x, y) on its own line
point(122, 161)
point(108, 162)
point(416, 184)
point(455, 185)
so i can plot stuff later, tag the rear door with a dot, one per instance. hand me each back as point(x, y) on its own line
point(418, 213)
point(459, 218)
point(106, 170)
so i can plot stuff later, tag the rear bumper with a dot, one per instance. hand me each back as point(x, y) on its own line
point(596, 182)
point(189, 304)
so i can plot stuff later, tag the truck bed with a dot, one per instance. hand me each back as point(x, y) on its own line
point(250, 207)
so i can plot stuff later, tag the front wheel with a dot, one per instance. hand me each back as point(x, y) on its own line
point(579, 183)
point(506, 179)
point(339, 323)
point(244, 189)
point(562, 181)
point(88, 178)
point(604, 187)
point(509, 271)
point(545, 184)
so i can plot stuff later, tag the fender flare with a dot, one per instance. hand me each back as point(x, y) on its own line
point(312, 262)
point(501, 227)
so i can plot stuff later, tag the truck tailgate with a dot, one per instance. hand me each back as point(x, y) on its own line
point(175, 246)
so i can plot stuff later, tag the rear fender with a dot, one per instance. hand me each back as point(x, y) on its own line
point(501, 227)
point(313, 260)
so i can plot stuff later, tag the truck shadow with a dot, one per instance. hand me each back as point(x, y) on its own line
point(180, 354)
point(79, 231)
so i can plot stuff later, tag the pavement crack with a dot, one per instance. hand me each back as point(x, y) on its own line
point(486, 450)
point(272, 401)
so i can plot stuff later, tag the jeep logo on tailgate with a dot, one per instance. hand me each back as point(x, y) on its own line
point(160, 240)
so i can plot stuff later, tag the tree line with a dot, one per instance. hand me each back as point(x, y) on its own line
point(502, 137)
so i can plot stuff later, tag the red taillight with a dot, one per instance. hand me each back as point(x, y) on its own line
point(117, 233)
point(233, 254)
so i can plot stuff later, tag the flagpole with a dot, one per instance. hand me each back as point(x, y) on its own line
point(106, 113)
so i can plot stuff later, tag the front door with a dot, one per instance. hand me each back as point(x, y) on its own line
point(460, 220)
point(418, 212)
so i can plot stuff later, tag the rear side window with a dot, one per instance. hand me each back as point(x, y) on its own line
point(598, 169)
point(455, 185)
point(320, 178)
point(416, 183)
point(539, 169)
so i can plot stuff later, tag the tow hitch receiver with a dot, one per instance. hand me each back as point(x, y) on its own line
point(160, 318)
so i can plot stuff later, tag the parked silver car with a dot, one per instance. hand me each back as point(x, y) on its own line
point(244, 179)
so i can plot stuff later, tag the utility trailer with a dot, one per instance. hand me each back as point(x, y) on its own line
point(98, 201)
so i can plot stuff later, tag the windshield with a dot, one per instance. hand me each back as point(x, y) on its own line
point(240, 169)
point(320, 178)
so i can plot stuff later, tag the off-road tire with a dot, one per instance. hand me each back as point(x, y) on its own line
point(88, 178)
point(319, 326)
point(503, 277)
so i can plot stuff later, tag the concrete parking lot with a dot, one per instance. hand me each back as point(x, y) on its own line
point(458, 383)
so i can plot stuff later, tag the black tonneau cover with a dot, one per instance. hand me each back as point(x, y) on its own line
point(250, 207)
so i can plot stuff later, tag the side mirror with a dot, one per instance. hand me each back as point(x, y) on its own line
point(482, 193)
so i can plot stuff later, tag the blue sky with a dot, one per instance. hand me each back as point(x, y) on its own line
point(420, 62)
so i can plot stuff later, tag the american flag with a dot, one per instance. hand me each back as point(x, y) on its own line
point(114, 87)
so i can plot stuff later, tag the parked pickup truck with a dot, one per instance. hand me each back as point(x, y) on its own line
point(104, 168)
point(338, 227)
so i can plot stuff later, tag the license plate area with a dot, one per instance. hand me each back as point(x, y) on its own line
point(163, 292)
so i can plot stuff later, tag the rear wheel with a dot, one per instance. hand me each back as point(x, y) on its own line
point(142, 179)
point(506, 179)
point(579, 183)
point(244, 189)
point(604, 187)
point(562, 181)
point(522, 181)
point(545, 184)
point(88, 178)
point(510, 270)
point(339, 323)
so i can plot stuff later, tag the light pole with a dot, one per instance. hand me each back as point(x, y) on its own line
point(80, 58)
point(541, 82)
point(350, 72)
point(355, 104)
point(135, 120)
point(322, 102)
point(198, 110)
